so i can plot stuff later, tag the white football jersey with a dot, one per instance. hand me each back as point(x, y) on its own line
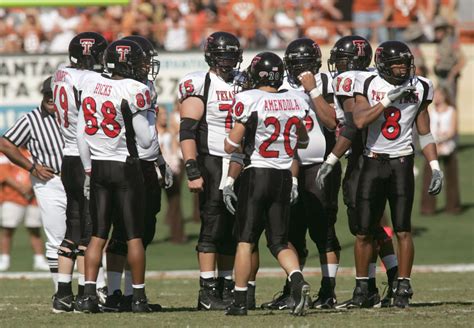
point(108, 106)
point(320, 138)
point(391, 133)
point(270, 120)
point(66, 85)
point(216, 121)
point(151, 153)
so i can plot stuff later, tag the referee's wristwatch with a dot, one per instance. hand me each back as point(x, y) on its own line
point(33, 167)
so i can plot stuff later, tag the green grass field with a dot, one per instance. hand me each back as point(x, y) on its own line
point(441, 299)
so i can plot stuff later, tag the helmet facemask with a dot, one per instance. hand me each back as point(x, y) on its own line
point(397, 76)
point(296, 65)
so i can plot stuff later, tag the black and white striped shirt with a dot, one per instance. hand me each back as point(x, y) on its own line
point(40, 133)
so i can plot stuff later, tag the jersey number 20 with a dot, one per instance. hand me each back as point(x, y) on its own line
point(263, 149)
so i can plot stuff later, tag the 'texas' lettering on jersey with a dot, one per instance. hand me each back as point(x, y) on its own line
point(411, 98)
point(281, 104)
point(225, 95)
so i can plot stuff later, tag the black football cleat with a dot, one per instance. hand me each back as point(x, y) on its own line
point(126, 303)
point(325, 300)
point(112, 302)
point(360, 298)
point(387, 300)
point(226, 290)
point(87, 304)
point(374, 299)
point(300, 294)
point(102, 294)
point(209, 298)
point(234, 309)
point(141, 306)
point(64, 304)
point(251, 304)
point(281, 300)
point(403, 294)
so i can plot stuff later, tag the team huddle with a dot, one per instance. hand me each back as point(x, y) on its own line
point(261, 147)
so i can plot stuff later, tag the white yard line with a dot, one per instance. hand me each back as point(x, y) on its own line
point(263, 272)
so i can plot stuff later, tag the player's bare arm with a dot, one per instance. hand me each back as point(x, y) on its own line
point(233, 140)
point(191, 111)
point(303, 138)
point(323, 109)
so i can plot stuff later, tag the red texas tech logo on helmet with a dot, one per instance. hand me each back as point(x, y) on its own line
point(378, 51)
point(316, 47)
point(123, 51)
point(360, 44)
point(86, 46)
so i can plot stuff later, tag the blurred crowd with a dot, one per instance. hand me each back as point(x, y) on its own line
point(180, 25)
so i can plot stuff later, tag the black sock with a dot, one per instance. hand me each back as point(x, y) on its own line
point(392, 275)
point(296, 278)
point(362, 282)
point(64, 289)
point(139, 293)
point(372, 285)
point(80, 290)
point(90, 290)
point(328, 284)
point(240, 297)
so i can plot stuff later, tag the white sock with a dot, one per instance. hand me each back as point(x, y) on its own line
point(227, 274)
point(114, 280)
point(372, 270)
point(402, 278)
point(128, 288)
point(139, 286)
point(294, 271)
point(5, 258)
point(252, 283)
point(90, 283)
point(241, 289)
point(64, 277)
point(81, 279)
point(53, 269)
point(390, 261)
point(39, 258)
point(362, 278)
point(329, 270)
point(206, 274)
point(101, 278)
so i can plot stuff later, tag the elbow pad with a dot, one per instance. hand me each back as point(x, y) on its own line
point(349, 130)
point(426, 139)
point(187, 128)
point(237, 158)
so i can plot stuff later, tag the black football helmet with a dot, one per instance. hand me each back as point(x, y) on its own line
point(223, 51)
point(127, 59)
point(151, 55)
point(394, 53)
point(350, 53)
point(301, 55)
point(86, 51)
point(266, 69)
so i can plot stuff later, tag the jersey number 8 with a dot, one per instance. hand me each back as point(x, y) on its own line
point(391, 127)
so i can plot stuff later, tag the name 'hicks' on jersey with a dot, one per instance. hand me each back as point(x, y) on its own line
point(391, 133)
point(217, 118)
point(320, 140)
point(108, 106)
point(270, 120)
point(66, 85)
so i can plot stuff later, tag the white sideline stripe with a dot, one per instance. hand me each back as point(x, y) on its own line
point(263, 272)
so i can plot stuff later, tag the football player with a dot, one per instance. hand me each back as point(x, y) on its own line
point(112, 123)
point(315, 209)
point(205, 108)
point(389, 104)
point(351, 57)
point(272, 123)
point(117, 245)
point(86, 51)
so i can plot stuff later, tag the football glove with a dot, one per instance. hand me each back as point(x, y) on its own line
point(398, 92)
point(229, 195)
point(294, 191)
point(323, 172)
point(167, 175)
point(87, 186)
point(436, 183)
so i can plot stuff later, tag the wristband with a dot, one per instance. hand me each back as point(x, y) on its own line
point(314, 93)
point(229, 181)
point(332, 159)
point(295, 180)
point(230, 142)
point(434, 164)
point(192, 170)
point(385, 102)
point(33, 167)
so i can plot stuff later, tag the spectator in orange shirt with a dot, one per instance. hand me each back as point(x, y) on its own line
point(319, 21)
point(19, 205)
point(365, 12)
point(245, 16)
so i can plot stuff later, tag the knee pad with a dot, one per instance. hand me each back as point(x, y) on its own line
point(277, 248)
point(80, 252)
point(206, 247)
point(117, 247)
point(72, 253)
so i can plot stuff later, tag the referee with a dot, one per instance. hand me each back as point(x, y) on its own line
point(39, 132)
